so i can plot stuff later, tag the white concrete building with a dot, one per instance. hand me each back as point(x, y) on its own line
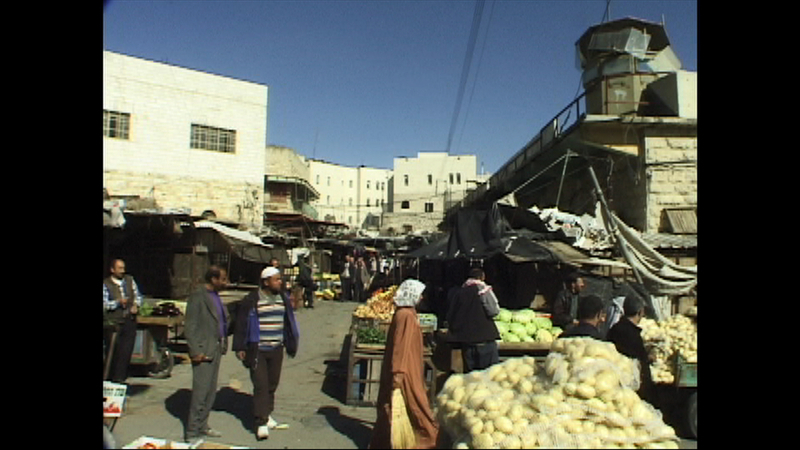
point(185, 138)
point(426, 186)
point(355, 196)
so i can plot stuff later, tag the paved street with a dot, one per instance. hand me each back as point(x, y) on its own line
point(310, 397)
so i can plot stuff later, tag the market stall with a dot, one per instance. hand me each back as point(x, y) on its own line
point(368, 329)
point(672, 344)
point(154, 324)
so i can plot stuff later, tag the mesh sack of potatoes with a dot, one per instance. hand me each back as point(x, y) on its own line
point(583, 397)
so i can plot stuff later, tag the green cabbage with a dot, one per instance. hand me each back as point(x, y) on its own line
point(522, 316)
point(542, 323)
point(503, 316)
point(502, 327)
point(531, 328)
point(511, 337)
point(544, 336)
point(555, 331)
point(518, 329)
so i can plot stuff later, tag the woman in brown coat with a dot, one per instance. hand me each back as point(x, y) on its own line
point(403, 368)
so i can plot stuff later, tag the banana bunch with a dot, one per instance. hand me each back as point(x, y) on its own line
point(379, 306)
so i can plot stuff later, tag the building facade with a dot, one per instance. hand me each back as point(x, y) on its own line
point(425, 187)
point(355, 196)
point(286, 186)
point(635, 127)
point(184, 138)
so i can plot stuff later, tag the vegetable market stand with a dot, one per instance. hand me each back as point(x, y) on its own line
point(682, 393)
point(150, 345)
point(370, 354)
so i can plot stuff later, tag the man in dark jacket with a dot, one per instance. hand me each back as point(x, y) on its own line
point(590, 314)
point(470, 323)
point(306, 280)
point(206, 331)
point(627, 338)
point(264, 327)
point(565, 308)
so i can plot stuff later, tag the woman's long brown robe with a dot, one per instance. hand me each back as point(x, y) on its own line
point(402, 367)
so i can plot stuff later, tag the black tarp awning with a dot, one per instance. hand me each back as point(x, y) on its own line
point(516, 233)
point(481, 234)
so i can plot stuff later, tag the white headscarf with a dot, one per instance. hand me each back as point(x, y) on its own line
point(409, 293)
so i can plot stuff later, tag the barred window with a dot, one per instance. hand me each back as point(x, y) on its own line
point(116, 124)
point(216, 139)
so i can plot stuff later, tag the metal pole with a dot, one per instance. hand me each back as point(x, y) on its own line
point(563, 174)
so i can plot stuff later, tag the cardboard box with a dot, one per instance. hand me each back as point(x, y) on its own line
point(113, 398)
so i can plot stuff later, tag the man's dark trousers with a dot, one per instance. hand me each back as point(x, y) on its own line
point(204, 391)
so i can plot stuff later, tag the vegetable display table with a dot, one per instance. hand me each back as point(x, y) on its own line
point(150, 347)
point(362, 387)
point(681, 394)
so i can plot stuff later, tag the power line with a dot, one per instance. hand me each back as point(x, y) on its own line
point(477, 70)
point(473, 35)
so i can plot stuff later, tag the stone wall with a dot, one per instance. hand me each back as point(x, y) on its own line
point(417, 221)
point(671, 173)
point(233, 201)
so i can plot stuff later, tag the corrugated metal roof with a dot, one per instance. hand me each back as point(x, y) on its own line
point(664, 240)
point(682, 220)
point(570, 254)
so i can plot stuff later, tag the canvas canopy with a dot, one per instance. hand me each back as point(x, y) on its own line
point(243, 244)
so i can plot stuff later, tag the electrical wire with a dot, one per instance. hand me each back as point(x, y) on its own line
point(477, 71)
point(473, 35)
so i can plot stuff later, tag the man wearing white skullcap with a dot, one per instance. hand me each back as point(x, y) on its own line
point(264, 326)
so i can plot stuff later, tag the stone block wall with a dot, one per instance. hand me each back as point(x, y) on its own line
point(235, 201)
point(671, 174)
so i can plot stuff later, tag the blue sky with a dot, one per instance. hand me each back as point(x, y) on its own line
point(363, 82)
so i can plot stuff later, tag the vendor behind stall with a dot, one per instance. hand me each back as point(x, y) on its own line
point(590, 315)
point(121, 302)
point(565, 308)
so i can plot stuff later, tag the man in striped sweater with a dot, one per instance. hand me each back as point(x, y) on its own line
point(260, 337)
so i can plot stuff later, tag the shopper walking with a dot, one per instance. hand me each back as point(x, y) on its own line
point(306, 280)
point(402, 371)
point(265, 326)
point(361, 281)
point(469, 315)
point(347, 279)
point(627, 338)
point(206, 331)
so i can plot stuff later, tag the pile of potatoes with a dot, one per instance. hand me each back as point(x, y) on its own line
point(584, 396)
point(676, 335)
